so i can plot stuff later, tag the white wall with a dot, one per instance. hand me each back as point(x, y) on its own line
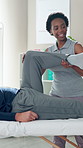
point(1, 54)
point(77, 20)
point(13, 15)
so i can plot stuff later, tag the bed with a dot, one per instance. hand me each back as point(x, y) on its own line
point(42, 128)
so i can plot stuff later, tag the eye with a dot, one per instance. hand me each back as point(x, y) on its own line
point(63, 26)
point(55, 28)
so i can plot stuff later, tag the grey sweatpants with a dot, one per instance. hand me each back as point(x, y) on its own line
point(31, 95)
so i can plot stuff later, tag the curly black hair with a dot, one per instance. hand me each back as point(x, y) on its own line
point(53, 16)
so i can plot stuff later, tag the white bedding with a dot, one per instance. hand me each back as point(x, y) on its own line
point(41, 128)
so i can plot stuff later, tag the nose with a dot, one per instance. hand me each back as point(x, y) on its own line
point(60, 29)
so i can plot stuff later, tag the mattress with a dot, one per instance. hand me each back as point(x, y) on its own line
point(41, 128)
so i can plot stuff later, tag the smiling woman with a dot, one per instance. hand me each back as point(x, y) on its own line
point(65, 81)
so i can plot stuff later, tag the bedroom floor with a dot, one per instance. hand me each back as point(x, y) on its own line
point(28, 142)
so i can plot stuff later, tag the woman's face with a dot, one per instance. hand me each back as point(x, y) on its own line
point(58, 29)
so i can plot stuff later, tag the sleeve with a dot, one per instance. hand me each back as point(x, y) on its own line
point(7, 116)
point(51, 48)
point(6, 97)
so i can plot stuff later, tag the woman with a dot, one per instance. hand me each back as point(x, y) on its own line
point(66, 83)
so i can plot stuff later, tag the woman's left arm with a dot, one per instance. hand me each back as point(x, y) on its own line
point(77, 49)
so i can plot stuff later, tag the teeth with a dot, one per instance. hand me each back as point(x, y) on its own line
point(61, 35)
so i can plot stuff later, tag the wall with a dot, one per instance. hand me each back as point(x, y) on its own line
point(13, 15)
point(76, 20)
point(76, 9)
point(1, 53)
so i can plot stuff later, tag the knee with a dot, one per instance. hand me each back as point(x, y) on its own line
point(29, 53)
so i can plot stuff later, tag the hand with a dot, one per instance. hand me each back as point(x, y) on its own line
point(23, 57)
point(26, 116)
point(65, 64)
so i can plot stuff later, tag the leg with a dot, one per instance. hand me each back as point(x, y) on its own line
point(79, 140)
point(34, 63)
point(60, 142)
point(47, 107)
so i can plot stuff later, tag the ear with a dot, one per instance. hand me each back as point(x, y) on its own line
point(51, 32)
point(66, 28)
